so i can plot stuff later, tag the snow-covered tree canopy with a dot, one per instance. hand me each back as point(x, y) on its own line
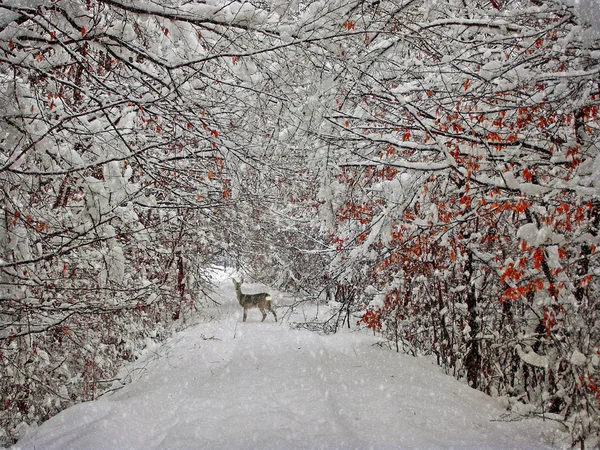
point(432, 166)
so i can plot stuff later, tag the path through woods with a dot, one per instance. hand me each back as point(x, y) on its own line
point(224, 384)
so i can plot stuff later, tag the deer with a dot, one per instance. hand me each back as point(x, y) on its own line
point(248, 301)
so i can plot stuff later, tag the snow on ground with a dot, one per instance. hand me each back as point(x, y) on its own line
point(225, 384)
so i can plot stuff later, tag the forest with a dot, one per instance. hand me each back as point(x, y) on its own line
point(429, 167)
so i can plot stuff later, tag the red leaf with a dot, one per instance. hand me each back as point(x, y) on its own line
point(465, 200)
point(348, 25)
point(549, 320)
point(494, 137)
point(521, 206)
point(538, 258)
point(542, 122)
point(538, 284)
point(585, 280)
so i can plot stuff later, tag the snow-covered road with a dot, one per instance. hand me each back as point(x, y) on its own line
point(224, 384)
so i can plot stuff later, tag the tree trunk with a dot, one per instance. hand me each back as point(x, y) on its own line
point(473, 356)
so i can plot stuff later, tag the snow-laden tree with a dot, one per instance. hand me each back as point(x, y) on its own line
point(464, 193)
point(125, 126)
point(101, 226)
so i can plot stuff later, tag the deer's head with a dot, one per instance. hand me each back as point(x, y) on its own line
point(237, 284)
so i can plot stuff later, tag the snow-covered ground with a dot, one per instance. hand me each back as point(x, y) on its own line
point(225, 384)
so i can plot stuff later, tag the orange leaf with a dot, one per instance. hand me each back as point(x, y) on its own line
point(510, 294)
point(521, 206)
point(494, 137)
point(465, 200)
point(214, 133)
point(585, 280)
point(348, 25)
point(538, 258)
point(211, 175)
point(562, 254)
point(83, 31)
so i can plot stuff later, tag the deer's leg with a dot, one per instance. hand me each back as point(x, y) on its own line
point(262, 310)
point(270, 308)
point(245, 314)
